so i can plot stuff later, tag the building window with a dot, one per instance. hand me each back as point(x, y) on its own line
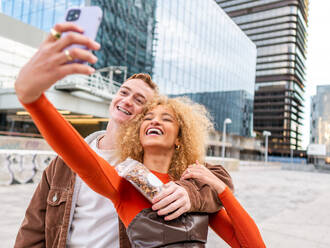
point(138, 4)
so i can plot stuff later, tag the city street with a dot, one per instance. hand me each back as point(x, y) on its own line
point(257, 69)
point(290, 207)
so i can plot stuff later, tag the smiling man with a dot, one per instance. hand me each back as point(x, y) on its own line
point(127, 103)
point(64, 211)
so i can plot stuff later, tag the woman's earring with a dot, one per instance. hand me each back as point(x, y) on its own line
point(177, 147)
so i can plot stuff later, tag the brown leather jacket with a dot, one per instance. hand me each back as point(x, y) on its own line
point(47, 218)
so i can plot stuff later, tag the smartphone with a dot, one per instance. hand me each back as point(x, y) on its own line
point(88, 18)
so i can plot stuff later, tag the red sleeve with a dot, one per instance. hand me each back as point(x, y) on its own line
point(234, 225)
point(62, 137)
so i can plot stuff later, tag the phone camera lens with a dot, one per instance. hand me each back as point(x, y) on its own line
point(73, 15)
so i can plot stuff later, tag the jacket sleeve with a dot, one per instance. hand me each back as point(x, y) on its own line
point(32, 230)
point(203, 197)
point(234, 225)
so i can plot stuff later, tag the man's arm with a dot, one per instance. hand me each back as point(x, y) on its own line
point(192, 195)
point(203, 197)
point(32, 230)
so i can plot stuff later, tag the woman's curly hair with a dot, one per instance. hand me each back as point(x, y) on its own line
point(194, 125)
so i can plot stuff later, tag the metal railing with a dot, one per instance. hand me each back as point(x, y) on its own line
point(7, 83)
point(94, 84)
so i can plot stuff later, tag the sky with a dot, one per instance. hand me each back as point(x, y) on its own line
point(318, 56)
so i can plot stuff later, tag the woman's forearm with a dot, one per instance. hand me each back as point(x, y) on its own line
point(234, 224)
point(76, 153)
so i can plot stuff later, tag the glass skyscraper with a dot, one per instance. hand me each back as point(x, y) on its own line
point(126, 34)
point(203, 54)
point(41, 14)
point(190, 47)
point(278, 28)
point(236, 105)
point(320, 118)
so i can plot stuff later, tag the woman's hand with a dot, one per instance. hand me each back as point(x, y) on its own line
point(199, 171)
point(49, 64)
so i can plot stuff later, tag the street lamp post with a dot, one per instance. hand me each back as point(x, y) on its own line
point(266, 134)
point(227, 121)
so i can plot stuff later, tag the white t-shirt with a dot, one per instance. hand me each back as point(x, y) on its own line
point(95, 220)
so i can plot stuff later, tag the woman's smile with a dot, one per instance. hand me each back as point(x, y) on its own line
point(159, 128)
point(154, 131)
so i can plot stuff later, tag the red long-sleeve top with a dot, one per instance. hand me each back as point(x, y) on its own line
point(232, 223)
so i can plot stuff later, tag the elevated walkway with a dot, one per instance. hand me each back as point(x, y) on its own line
point(96, 85)
point(76, 93)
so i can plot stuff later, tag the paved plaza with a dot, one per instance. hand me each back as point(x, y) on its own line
point(291, 208)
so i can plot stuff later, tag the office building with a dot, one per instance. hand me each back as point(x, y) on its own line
point(126, 32)
point(192, 48)
point(202, 53)
point(41, 14)
point(278, 28)
point(126, 35)
point(84, 106)
point(320, 118)
point(236, 105)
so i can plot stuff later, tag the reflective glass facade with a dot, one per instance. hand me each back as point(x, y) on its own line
point(240, 110)
point(126, 34)
point(190, 47)
point(278, 28)
point(202, 53)
point(320, 117)
point(42, 14)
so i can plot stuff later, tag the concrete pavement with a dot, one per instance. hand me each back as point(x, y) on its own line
point(289, 207)
point(13, 201)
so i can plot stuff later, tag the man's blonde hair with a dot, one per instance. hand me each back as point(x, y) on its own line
point(194, 126)
point(145, 77)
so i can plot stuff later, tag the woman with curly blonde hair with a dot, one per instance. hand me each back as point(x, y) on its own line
point(194, 122)
point(169, 135)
